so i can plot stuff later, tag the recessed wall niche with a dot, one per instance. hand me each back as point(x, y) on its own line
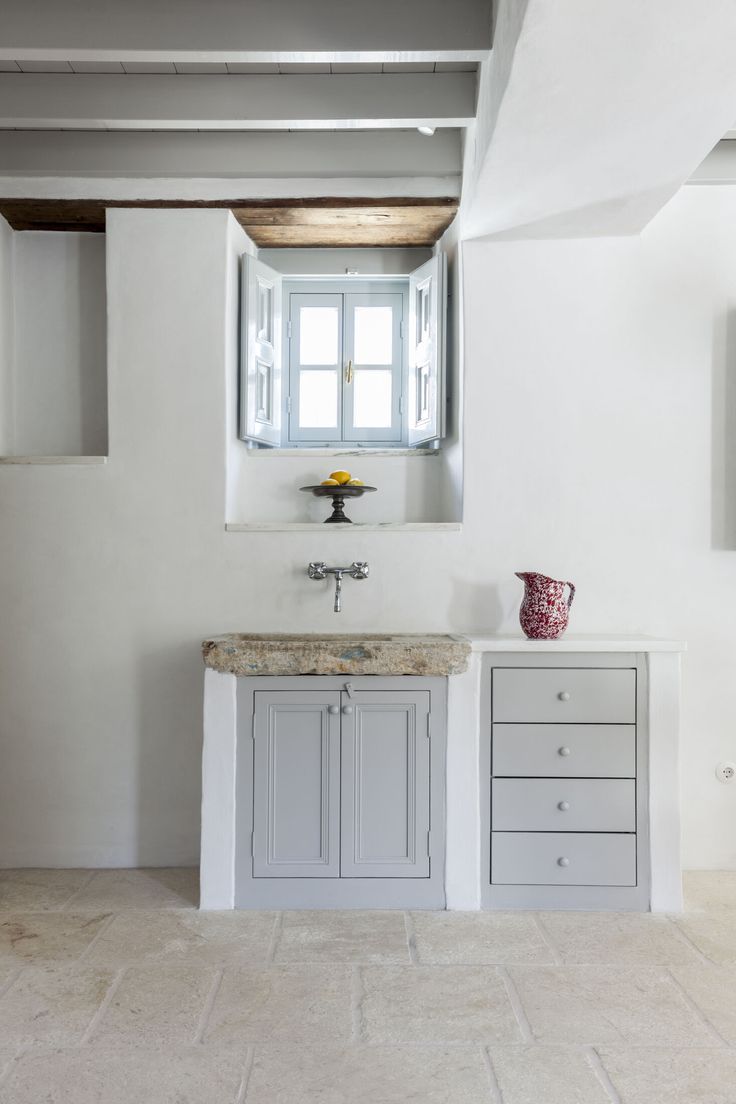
point(53, 345)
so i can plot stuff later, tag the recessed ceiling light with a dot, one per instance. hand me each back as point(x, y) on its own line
point(427, 131)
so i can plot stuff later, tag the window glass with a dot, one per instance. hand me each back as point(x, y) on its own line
point(372, 398)
point(318, 336)
point(373, 336)
point(318, 400)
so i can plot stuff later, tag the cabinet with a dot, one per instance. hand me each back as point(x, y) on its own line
point(340, 792)
point(566, 798)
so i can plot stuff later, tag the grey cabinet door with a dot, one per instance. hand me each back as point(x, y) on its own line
point(296, 791)
point(385, 785)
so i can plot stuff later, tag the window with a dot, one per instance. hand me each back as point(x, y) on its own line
point(356, 363)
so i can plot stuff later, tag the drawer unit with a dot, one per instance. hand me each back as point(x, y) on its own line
point(564, 805)
point(558, 858)
point(564, 751)
point(569, 695)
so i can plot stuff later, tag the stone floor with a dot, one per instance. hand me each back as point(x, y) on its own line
point(115, 990)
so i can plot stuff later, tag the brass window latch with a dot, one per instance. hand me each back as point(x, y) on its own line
point(349, 372)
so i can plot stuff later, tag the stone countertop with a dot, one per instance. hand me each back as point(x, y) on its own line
point(337, 654)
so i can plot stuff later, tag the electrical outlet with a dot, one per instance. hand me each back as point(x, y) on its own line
point(726, 772)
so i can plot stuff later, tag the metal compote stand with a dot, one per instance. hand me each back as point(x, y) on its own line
point(338, 496)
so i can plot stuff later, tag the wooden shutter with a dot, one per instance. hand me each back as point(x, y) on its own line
point(426, 384)
point(260, 354)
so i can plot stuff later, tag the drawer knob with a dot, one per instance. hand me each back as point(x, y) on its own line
point(347, 709)
point(563, 861)
point(333, 709)
point(563, 806)
point(564, 695)
point(563, 751)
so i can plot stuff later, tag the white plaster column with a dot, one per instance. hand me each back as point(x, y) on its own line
point(219, 752)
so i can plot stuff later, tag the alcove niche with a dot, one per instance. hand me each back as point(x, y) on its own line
point(53, 347)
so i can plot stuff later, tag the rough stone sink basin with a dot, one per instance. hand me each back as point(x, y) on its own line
point(337, 654)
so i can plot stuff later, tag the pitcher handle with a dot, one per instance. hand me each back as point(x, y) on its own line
point(571, 595)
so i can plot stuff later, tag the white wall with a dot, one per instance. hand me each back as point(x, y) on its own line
point(601, 388)
point(6, 338)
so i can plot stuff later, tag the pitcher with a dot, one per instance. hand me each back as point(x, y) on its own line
point(544, 610)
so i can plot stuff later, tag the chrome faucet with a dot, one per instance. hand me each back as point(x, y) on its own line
point(357, 570)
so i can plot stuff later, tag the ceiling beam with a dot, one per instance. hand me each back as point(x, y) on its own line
point(111, 102)
point(252, 31)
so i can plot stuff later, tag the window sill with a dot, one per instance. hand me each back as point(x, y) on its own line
point(367, 527)
point(258, 452)
point(54, 460)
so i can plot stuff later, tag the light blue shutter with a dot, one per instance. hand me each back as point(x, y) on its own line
point(260, 354)
point(426, 384)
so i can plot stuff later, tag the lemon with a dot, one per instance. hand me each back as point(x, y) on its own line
point(340, 476)
point(355, 483)
point(329, 483)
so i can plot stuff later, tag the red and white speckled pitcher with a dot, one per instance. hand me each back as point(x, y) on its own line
point(544, 610)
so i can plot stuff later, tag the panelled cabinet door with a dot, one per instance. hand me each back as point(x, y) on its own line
point(260, 353)
point(296, 776)
point(385, 785)
point(426, 383)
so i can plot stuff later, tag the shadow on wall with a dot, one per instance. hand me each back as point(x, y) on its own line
point(483, 607)
point(723, 416)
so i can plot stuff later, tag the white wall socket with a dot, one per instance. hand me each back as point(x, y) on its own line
point(726, 772)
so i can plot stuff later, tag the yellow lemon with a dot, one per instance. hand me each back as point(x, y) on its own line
point(340, 476)
point(355, 483)
point(329, 483)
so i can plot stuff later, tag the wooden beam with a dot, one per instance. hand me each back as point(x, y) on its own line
point(85, 101)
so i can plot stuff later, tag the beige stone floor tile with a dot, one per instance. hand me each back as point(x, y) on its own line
point(709, 890)
point(714, 934)
point(481, 938)
point(298, 1004)
point(616, 937)
point(546, 1075)
point(713, 988)
point(125, 1075)
point(164, 888)
point(172, 935)
point(327, 936)
point(659, 1076)
point(47, 936)
point(442, 1004)
point(156, 1005)
point(52, 1005)
point(368, 1075)
point(35, 890)
point(607, 1005)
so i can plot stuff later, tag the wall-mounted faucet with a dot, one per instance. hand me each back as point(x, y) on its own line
point(357, 570)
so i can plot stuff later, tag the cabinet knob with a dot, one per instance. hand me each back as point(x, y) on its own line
point(347, 709)
point(563, 751)
point(562, 861)
point(563, 806)
point(564, 695)
point(333, 709)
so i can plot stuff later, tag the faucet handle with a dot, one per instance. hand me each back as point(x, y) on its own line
point(317, 570)
point(360, 569)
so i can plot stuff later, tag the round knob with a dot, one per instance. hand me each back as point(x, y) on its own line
point(333, 709)
point(563, 861)
point(563, 751)
point(563, 806)
point(564, 695)
point(347, 709)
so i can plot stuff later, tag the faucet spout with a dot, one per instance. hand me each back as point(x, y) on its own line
point(338, 592)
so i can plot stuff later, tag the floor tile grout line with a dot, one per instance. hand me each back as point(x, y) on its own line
point(98, 935)
point(595, 1062)
point(411, 939)
point(687, 941)
point(357, 996)
point(695, 1007)
point(77, 891)
point(209, 1004)
point(547, 939)
point(104, 1005)
point(5, 989)
point(248, 1069)
point(496, 1090)
point(278, 925)
point(512, 993)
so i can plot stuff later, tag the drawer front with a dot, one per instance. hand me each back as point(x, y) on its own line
point(564, 751)
point(590, 695)
point(563, 805)
point(552, 858)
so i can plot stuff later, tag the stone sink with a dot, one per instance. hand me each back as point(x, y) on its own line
point(337, 654)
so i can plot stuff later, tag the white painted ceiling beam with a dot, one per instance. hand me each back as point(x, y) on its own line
point(111, 102)
point(246, 30)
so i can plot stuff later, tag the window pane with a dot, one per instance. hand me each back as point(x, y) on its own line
point(373, 335)
point(318, 400)
point(372, 400)
point(318, 333)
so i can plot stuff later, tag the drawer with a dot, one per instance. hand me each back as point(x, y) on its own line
point(563, 805)
point(552, 858)
point(564, 751)
point(583, 695)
